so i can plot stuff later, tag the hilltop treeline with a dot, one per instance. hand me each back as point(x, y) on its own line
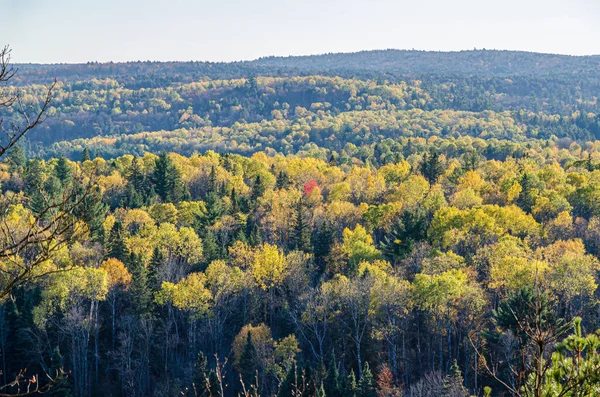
point(289, 114)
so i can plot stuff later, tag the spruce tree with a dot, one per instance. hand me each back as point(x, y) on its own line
point(16, 159)
point(351, 387)
point(62, 170)
point(366, 384)
point(247, 363)
point(34, 181)
point(283, 180)
point(333, 383)
point(210, 247)
point(166, 179)
point(431, 166)
point(322, 242)
point(115, 246)
point(154, 268)
point(85, 156)
point(258, 189)
point(235, 207)
point(453, 383)
point(139, 290)
point(301, 232)
point(93, 212)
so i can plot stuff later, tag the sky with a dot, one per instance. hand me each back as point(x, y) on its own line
point(69, 31)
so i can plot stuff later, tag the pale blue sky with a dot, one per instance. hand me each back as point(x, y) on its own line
point(227, 30)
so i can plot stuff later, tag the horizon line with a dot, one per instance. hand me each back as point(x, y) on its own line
point(305, 56)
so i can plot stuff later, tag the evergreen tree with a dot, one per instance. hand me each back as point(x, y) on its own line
point(115, 246)
point(410, 228)
point(530, 186)
point(282, 181)
point(85, 156)
point(247, 363)
point(431, 166)
point(137, 191)
point(211, 248)
point(139, 290)
point(351, 387)
point(62, 170)
point(471, 160)
point(34, 183)
point(154, 268)
point(93, 212)
point(301, 233)
point(453, 383)
point(17, 159)
point(166, 179)
point(258, 189)
point(212, 181)
point(322, 243)
point(235, 207)
point(333, 383)
point(366, 385)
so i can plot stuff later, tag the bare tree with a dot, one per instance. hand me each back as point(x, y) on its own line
point(28, 246)
point(26, 116)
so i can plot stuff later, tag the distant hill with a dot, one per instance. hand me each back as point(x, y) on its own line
point(368, 64)
point(480, 62)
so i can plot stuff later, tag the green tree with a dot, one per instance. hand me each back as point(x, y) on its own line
point(431, 166)
point(115, 246)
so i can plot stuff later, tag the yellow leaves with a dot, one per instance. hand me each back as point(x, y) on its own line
point(574, 272)
point(70, 288)
point(136, 219)
point(117, 273)
point(466, 198)
point(511, 273)
point(162, 213)
point(513, 193)
point(190, 294)
point(269, 267)
point(412, 191)
point(442, 294)
point(358, 245)
point(339, 192)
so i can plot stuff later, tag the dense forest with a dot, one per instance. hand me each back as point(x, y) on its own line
point(394, 223)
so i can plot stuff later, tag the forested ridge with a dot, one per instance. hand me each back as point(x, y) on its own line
point(393, 223)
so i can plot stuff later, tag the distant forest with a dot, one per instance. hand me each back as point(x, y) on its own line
point(298, 103)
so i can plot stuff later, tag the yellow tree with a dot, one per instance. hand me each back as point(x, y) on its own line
point(269, 269)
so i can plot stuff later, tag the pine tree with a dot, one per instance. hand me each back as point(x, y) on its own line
point(258, 189)
point(431, 166)
point(115, 246)
point(453, 383)
point(301, 233)
point(93, 211)
point(282, 181)
point(154, 268)
point(139, 291)
point(210, 247)
point(322, 242)
point(62, 170)
point(17, 159)
point(366, 385)
point(247, 363)
point(351, 389)
point(166, 179)
point(85, 156)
